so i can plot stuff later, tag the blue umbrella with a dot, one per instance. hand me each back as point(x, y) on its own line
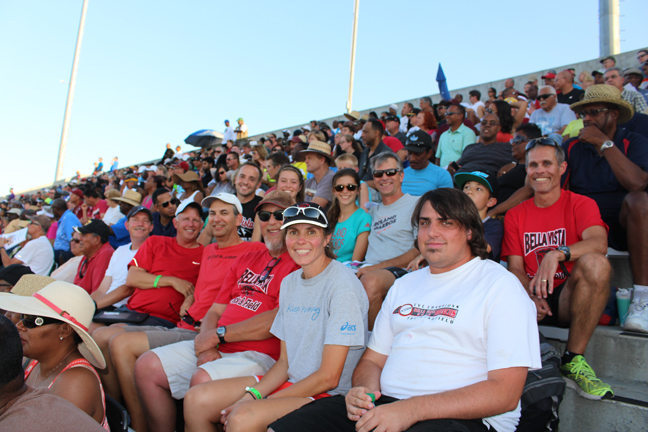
point(443, 84)
point(204, 138)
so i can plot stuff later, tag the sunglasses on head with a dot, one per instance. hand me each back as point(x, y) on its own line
point(309, 212)
point(349, 187)
point(541, 141)
point(544, 96)
point(264, 216)
point(173, 201)
point(389, 172)
point(33, 321)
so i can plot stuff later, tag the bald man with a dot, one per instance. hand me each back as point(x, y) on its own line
point(564, 85)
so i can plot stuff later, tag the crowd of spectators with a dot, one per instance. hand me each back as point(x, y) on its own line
point(385, 267)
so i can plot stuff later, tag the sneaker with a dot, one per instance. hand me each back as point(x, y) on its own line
point(637, 317)
point(583, 379)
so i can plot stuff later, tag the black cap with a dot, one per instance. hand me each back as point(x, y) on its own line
point(418, 142)
point(391, 118)
point(12, 273)
point(486, 178)
point(138, 209)
point(95, 226)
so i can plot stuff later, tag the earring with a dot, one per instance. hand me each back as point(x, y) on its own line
point(61, 338)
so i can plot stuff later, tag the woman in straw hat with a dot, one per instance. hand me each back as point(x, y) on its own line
point(53, 329)
point(192, 185)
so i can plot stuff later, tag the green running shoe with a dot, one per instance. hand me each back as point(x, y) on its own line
point(583, 379)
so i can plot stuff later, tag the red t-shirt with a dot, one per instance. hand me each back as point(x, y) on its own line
point(215, 265)
point(248, 297)
point(531, 231)
point(92, 271)
point(393, 143)
point(164, 256)
point(96, 211)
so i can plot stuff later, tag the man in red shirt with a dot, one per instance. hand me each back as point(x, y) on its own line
point(225, 215)
point(234, 337)
point(556, 244)
point(97, 253)
point(93, 206)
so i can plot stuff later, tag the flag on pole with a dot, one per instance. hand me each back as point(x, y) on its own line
point(443, 84)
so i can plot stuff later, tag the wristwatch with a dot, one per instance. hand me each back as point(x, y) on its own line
point(606, 145)
point(220, 332)
point(566, 251)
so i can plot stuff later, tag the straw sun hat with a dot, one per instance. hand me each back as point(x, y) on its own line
point(65, 302)
point(603, 93)
point(29, 284)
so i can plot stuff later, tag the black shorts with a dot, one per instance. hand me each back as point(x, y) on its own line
point(329, 414)
point(396, 271)
point(553, 300)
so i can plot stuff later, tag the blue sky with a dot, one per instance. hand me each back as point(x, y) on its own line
point(153, 72)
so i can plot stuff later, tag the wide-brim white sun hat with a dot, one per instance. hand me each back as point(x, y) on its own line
point(65, 302)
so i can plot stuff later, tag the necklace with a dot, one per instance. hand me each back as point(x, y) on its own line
point(52, 370)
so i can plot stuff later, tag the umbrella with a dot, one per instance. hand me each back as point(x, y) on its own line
point(443, 85)
point(204, 138)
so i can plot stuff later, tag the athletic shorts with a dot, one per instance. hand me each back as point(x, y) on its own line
point(329, 414)
point(159, 336)
point(396, 271)
point(288, 384)
point(179, 363)
point(553, 300)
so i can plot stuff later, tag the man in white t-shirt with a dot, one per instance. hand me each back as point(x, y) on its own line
point(37, 254)
point(552, 117)
point(139, 224)
point(228, 134)
point(452, 342)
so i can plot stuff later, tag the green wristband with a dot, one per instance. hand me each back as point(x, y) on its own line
point(255, 392)
point(372, 396)
point(157, 279)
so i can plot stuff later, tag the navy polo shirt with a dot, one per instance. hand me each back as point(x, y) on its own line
point(161, 230)
point(590, 174)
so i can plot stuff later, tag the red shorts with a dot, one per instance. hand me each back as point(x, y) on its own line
point(288, 384)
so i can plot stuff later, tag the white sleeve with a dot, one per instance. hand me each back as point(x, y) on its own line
point(26, 254)
point(382, 335)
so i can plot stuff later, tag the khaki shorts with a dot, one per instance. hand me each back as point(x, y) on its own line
point(179, 363)
point(159, 336)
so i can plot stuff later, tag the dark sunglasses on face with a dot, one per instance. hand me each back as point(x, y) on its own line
point(173, 201)
point(519, 140)
point(449, 113)
point(349, 187)
point(390, 172)
point(264, 216)
point(544, 96)
point(591, 113)
point(75, 240)
point(541, 141)
point(489, 111)
point(33, 321)
point(489, 123)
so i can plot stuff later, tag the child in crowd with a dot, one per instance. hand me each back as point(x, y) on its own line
point(482, 188)
point(349, 161)
point(351, 224)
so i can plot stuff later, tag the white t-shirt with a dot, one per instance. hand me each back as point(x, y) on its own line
point(444, 332)
point(118, 269)
point(553, 121)
point(229, 134)
point(404, 122)
point(38, 255)
point(475, 107)
point(112, 215)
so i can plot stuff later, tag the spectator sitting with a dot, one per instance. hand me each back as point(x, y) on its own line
point(453, 141)
point(67, 220)
point(476, 105)
point(93, 206)
point(349, 223)
point(118, 233)
point(26, 408)
point(565, 85)
point(489, 154)
point(318, 161)
point(395, 145)
point(427, 123)
point(165, 206)
point(348, 145)
point(552, 117)
point(68, 271)
point(511, 177)
point(490, 315)
point(609, 164)
point(113, 214)
point(404, 121)
point(274, 162)
point(235, 338)
point(152, 183)
point(220, 184)
point(315, 355)
point(483, 189)
point(614, 77)
point(10, 275)
point(392, 236)
point(372, 138)
point(633, 77)
point(53, 329)
point(555, 244)
point(392, 126)
point(192, 185)
point(206, 164)
point(96, 255)
point(421, 175)
point(75, 201)
point(37, 253)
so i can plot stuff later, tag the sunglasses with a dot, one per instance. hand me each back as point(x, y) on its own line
point(489, 111)
point(519, 140)
point(309, 212)
point(390, 172)
point(33, 321)
point(266, 271)
point(75, 240)
point(264, 216)
point(349, 187)
point(591, 113)
point(489, 123)
point(544, 96)
point(541, 141)
point(449, 113)
point(173, 201)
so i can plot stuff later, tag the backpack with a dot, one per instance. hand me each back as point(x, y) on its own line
point(543, 392)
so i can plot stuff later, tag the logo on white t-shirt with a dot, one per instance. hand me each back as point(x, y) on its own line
point(449, 312)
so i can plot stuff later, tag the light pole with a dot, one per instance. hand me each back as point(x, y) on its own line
point(70, 96)
point(353, 49)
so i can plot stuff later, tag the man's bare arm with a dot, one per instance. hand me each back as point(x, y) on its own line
point(114, 296)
